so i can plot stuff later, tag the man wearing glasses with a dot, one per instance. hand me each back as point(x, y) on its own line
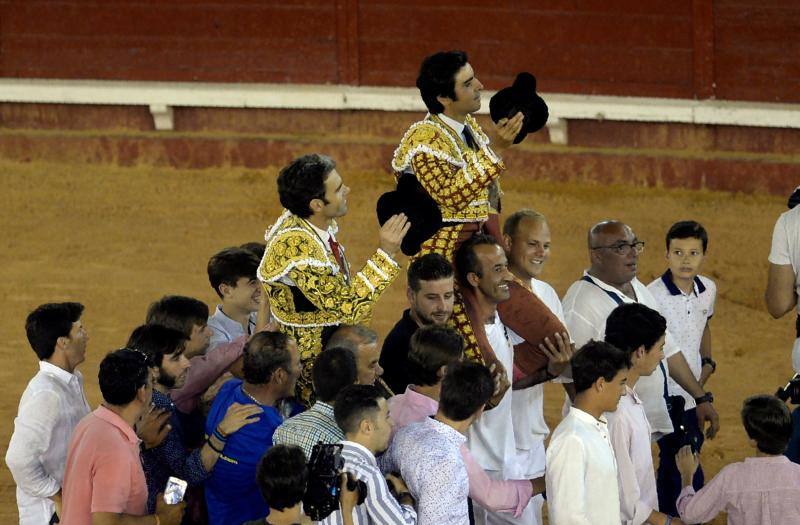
point(610, 281)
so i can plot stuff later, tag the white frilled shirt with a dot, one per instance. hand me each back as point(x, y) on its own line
point(587, 305)
point(50, 408)
point(581, 473)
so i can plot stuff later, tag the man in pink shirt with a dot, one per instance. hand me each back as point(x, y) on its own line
point(764, 489)
point(432, 349)
point(103, 480)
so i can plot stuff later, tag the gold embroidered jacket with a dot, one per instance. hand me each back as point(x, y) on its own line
point(455, 176)
point(307, 291)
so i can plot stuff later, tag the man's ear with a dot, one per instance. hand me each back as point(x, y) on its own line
point(62, 342)
point(508, 240)
point(473, 279)
point(444, 101)
point(640, 352)
point(224, 289)
point(316, 205)
point(409, 294)
point(365, 426)
point(600, 384)
point(441, 372)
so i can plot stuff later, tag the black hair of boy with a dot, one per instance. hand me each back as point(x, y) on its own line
point(429, 267)
point(632, 325)
point(302, 181)
point(263, 354)
point(432, 347)
point(122, 373)
point(354, 404)
point(230, 265)
point(768, 422)
point(594, 360)
point(466, 387)
point(256, 248)
point(437, 76)
point(178, 312)
point(334, 369)
point(282, 476)
point(688, 230)
point(156, 341)
point(47, 323)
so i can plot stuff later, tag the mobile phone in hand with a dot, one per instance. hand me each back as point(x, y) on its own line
point(176, 488)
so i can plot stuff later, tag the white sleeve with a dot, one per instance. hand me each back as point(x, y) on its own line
point(633, 510)
point(566, 486)
point(33, 429)
point(779, 254)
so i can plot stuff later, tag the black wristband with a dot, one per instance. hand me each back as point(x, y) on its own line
point(215, 449)
point(710, 362)
point(708, 397)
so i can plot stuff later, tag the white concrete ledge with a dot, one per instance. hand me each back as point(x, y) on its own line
point(160, 97)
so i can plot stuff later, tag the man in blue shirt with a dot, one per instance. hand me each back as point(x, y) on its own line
point(271, 368)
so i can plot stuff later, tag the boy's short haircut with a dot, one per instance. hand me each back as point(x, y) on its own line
point(432, 347)
point(122, 373)
point(437, 76)
point(257, 248)
point(302, 181)
point(429, 267)
point(354, 404)
point(47, 323)
point(632, 325)
point(282, 476)
point(178, 312)
point(156, 341)
point(594, 360)
point(230, 265)
point(334, 369)
point(465, 388)
point(767, 420)
point(688, 230)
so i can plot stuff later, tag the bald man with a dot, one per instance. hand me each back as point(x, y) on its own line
point(610, 281)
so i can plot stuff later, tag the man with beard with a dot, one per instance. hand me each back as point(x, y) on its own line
point(164, 348)
point(610, 281)
point(430, 296)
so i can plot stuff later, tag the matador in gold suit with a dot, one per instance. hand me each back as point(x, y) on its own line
point(309, 290)
point(458, 178)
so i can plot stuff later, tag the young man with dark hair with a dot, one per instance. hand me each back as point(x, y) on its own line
point(430, 296)
point(428, 453)
point(686, 299)
point(363, 415)
point(581, 469)
point(282, 477)
point(761, 489)
point(232, 274)
point(271, 368)
point(305, 273)
point(638, 331)
point(164, 349)
point(104, 482)
point(49, 410)
point(190, 317)
point(434, 349)
point(334, 370)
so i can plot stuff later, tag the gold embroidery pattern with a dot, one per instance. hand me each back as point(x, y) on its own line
point(295, 252)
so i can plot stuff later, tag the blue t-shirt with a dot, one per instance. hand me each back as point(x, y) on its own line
point(232, 494)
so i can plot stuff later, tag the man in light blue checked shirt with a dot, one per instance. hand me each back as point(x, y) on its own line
point(362, 414)
point(334, 370)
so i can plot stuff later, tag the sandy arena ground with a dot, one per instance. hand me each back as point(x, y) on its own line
point(116, 239)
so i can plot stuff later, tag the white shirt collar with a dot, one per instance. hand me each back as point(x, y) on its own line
point(589, 419)
point(323, 234)
point(56, 372)
point(457, 126)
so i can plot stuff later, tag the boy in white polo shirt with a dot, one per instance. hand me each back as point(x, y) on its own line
point(686, 299)
point(640, 332)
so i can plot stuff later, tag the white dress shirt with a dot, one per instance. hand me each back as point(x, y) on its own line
point(428, 456)
point(586, 308)
point(50, 408)
point(225, 330)
point(630, 438)
point(582, 473)
point(491, 438)
point(687, 316)
point(786, 250)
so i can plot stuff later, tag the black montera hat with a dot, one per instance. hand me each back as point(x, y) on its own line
point(422, 212)
point(521, 96)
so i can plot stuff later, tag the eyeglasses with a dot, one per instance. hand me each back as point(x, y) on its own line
point(624, 248)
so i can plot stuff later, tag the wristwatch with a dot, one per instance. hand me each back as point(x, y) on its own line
point(710, 362)
point(708, 397)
